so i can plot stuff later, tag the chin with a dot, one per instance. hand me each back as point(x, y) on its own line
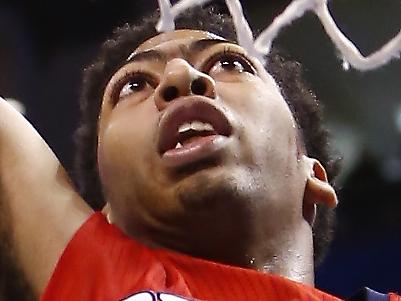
point(214, 188)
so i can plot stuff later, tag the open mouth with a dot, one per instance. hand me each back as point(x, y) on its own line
point(190, 130)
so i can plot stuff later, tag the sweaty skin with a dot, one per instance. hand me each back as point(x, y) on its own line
point(242, 204)
point(241, 199)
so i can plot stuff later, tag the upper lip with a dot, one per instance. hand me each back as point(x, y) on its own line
point(187, 109)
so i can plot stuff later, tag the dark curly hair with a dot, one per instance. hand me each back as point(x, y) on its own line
point(287, 74)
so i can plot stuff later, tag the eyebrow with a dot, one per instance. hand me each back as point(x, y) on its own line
point(147, 56)
point(196, 46)
point(200, 45)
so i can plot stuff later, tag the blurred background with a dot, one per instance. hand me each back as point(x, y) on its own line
point(44, 46)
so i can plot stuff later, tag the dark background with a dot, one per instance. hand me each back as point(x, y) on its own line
point(44, 46)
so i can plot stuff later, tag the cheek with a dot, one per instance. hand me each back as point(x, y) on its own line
point(260, 110)
point(126, 142)
point(267, 128)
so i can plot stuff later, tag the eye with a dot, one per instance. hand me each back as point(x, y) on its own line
point(230, 62)
point(136, 83)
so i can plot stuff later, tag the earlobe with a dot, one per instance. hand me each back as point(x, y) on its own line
point(317, 190)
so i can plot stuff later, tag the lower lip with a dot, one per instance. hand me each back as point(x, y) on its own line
point(194, 151)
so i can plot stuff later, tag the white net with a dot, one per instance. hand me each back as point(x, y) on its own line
point(296, 9)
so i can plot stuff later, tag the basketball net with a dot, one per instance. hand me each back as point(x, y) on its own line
point(261, 46)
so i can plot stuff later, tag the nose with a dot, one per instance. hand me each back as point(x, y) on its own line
point(181, 79)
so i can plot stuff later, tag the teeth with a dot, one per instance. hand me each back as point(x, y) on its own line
point(208, 127)
point(200, 126)
point(184, 127)
point(196, 126)
point(179, 145)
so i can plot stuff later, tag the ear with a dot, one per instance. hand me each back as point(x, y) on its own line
point(106, 211)
point(317, 190)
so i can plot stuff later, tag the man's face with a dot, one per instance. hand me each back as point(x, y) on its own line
point(197, 144)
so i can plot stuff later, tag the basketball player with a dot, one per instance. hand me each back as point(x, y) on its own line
point(213, 174)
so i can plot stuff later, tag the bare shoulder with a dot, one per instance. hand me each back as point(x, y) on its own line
point(41, 210)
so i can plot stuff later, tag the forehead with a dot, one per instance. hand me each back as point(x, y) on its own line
point(183, 36)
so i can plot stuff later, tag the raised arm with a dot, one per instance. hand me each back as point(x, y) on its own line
point(39, 206)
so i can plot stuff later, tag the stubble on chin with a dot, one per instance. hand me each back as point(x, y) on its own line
point(203, 192)
point(221, 191)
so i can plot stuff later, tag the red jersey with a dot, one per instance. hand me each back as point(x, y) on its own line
point(101, 263)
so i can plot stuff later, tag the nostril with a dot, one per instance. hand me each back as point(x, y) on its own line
point(198, 87)
point(170, 93)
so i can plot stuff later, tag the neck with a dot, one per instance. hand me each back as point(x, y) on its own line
point(294, 262)
point(265, 245)
point(290, 256)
